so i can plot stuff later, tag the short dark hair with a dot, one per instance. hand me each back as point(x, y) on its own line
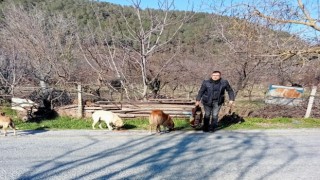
point(216, 72)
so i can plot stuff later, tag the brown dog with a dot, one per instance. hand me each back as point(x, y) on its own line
point(6, 122)
point(196, 117)
point(158, 118)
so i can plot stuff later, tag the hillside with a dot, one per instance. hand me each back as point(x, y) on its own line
point(62, 42)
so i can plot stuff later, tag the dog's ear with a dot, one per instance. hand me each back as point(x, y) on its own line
point(171, 120)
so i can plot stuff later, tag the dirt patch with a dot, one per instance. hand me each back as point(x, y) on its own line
point(273, 111)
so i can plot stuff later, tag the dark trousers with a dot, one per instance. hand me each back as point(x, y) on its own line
point(211, 111)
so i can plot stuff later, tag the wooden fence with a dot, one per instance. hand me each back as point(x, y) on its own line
point(177, 108)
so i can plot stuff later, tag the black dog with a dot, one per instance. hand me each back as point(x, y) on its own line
point(196, 117)
point(229, 119)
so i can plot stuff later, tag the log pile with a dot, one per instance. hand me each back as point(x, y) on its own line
point(177, 108)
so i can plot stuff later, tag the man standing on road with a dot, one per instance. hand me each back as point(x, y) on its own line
point(212, 95)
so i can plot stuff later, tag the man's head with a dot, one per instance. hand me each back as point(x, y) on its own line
point(216, 75)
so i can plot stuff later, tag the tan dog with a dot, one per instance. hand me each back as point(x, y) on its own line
point(6, 122)
point(158, 118)
point(108, 117)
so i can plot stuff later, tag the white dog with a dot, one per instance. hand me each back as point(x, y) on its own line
point(108, 117)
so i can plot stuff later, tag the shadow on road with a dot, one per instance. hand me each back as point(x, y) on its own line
point(188, 155)
point(32, 132)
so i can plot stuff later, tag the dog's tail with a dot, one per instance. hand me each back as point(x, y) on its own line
point(12, 125)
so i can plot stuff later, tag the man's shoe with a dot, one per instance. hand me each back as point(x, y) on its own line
point(205, 130)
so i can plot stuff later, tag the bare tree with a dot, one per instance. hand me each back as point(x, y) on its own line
point(131, 49)
point(11, 71)
point(155, 29)
point(46, 43)
point(242, 55)
point(100, 52)
point(300, 18)
point(258, 45)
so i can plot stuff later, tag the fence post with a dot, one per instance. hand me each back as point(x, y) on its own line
point(80, 108)
point(310, 103)
point(121, 94)
point(12, 90)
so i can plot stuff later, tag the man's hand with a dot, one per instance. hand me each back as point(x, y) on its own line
point(231, 103)
point(197, 103)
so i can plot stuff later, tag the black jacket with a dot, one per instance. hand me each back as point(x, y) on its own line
point(206, 92)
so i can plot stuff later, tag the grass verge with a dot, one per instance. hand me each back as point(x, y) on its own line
point(180, 124)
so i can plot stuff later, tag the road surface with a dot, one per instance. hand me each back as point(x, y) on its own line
point(102, 154)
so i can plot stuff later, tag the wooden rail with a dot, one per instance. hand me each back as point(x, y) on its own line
point(176, 108)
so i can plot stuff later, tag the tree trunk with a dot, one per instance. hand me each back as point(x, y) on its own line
point(145, 92)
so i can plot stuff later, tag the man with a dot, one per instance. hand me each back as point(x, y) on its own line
point(212, 95)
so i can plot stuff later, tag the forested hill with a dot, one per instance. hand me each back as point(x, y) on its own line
point(59, 42)
point(196, 31)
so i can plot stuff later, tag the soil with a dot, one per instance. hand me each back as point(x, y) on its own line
point(273, 111)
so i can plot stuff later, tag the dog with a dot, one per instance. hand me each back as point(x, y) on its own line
point(6, 122)
point(108, 117)
point(159, 118)
point(196, 117)
point(229, 119)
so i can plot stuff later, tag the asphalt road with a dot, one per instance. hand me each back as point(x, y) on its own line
point(101, 154)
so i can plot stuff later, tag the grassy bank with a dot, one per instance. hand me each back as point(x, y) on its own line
point(180, 124)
